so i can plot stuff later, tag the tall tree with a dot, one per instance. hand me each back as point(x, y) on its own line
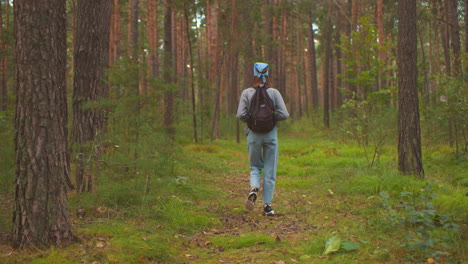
point(40, 215)
point(4, 56)
point(114, 37)
point(454, 33)
point(445, 36)
point(409, 134)
point(133, 29)
point(312, 62)
point(466, 33)
point(192, 75)
point(327, 65)
point(168, 70)
point(91, 63)
point(382, 53)
point(212, 35)
point(153, 34)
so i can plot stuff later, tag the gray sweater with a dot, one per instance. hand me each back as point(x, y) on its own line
point(281, 113)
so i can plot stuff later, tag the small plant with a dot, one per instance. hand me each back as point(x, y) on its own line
point(364, 125)
point(431, 234)
point(336, 244)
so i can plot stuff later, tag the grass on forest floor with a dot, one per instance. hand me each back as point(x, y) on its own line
point(325, 191)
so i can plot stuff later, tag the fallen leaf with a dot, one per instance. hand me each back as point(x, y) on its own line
point(277, 239)
point(332, 245)
point(279, 262)
point(100, 244)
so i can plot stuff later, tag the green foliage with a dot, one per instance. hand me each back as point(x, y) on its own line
point(243, 241)
point(430, 233)
point(364, 68)
point(365, 116)
point(54, 256)
point(126, 242)
point(178, 215)
point(369, 123)
point(336, 244)
point(446, 121)
point(7, 156)
point(373, 182)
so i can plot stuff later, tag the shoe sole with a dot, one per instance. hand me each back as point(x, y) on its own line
point(249, 204)
point(269, 213)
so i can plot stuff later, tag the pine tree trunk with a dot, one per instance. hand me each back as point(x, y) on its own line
point(409, 135)
point(3, 64)
point(192, 76)
point(114, 38)
point(153, 34)
point(445, 35)
point(339, 68)
point(354, 6)
point(313, 64)
point(40, 217)
point(381, 33)
point(133, 29)
point(91, 64)
point(168, 70)
point(454, 32)
point(327, 69)
point(212, 7)
point(466, 33)
point(424, 68)
point(233, 68)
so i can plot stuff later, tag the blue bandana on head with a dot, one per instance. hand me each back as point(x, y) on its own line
point(259, 67)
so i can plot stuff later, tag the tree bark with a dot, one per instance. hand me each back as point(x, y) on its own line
point(327, 70)
point(192, 77)
point(409, 135)
point(153, 35)
point(40, 217)
point(168, 70)
point(382, 52)
point(133, 29)
point(91, 63)
point(313, 64)
point(466, 33)
point(114, 33)
point(445, 35)
point(339, 68)
point(212, 10)
point(3, 61)
point(454, 32)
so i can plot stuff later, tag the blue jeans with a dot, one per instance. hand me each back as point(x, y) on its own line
point(263, 154)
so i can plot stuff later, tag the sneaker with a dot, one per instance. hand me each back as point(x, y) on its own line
point(267, 210)
point(249, 204)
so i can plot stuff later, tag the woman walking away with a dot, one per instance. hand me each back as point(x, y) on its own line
point(260, 107)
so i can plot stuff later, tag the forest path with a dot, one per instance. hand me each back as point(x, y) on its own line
point(303, 210)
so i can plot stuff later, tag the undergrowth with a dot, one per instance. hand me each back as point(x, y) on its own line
point(157, 202)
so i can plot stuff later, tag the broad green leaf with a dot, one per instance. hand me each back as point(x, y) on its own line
point(384, 195)
point(332, 245)
point(348, 246)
